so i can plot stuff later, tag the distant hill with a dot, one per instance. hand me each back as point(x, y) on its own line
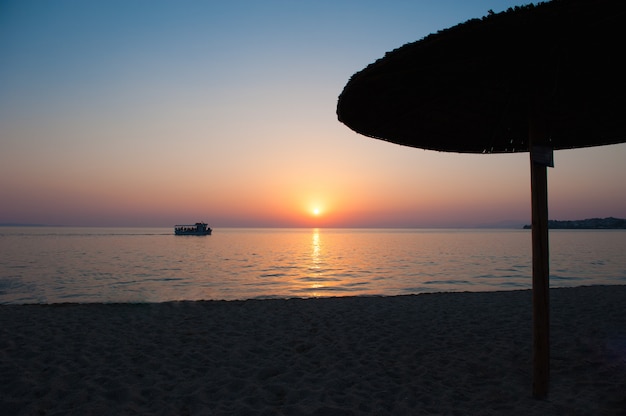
point(609, 223)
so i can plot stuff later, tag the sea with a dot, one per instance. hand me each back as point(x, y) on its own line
point(44, 265)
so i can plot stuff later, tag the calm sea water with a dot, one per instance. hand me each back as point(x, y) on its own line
point(51, 265)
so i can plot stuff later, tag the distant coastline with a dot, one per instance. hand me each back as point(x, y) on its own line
point(21, 225)
point(609, 223)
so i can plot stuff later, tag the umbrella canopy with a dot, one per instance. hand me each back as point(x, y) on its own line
point(472, 88)
point(534, 78)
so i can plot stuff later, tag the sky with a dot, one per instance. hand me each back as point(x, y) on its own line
point(155, 113)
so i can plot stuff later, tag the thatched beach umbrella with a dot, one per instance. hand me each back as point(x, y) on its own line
point(532, 79)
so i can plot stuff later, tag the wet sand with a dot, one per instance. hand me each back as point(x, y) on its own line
point(433, 354)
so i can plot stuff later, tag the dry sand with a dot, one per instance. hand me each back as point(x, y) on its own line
point(436, 354)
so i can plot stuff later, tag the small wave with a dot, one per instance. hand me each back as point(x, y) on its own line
point(449, 282)
point(557, 277)
point(316, 279)
point(273, 275)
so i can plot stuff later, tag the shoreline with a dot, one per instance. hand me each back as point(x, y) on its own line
point(436, 353)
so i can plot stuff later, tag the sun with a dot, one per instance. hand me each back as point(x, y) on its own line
point(315, 210)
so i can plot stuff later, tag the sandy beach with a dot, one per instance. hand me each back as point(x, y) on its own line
point(433, 354)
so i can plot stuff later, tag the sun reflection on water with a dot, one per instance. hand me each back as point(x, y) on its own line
point(316, 260)
point(315, 252)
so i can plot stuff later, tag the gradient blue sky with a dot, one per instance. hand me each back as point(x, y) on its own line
point(150, 113)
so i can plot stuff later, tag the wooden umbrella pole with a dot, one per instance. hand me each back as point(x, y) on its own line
point(540, 159)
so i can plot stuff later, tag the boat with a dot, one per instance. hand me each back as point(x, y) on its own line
point(199, 228)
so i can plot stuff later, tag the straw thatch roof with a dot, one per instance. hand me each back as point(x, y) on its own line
point(471, 88)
